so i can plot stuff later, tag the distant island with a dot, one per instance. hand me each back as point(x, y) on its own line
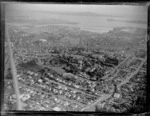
point(132, 21)
point(82, 14)
point(23, 20)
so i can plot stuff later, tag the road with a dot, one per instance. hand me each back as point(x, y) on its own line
point(113, 76)
point(72, 88)
point(48, 93)
point(116, 68)
point(134, 73)
point(106, 96)
point(103, 97)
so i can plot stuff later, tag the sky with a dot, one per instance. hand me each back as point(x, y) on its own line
point(118, 10)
